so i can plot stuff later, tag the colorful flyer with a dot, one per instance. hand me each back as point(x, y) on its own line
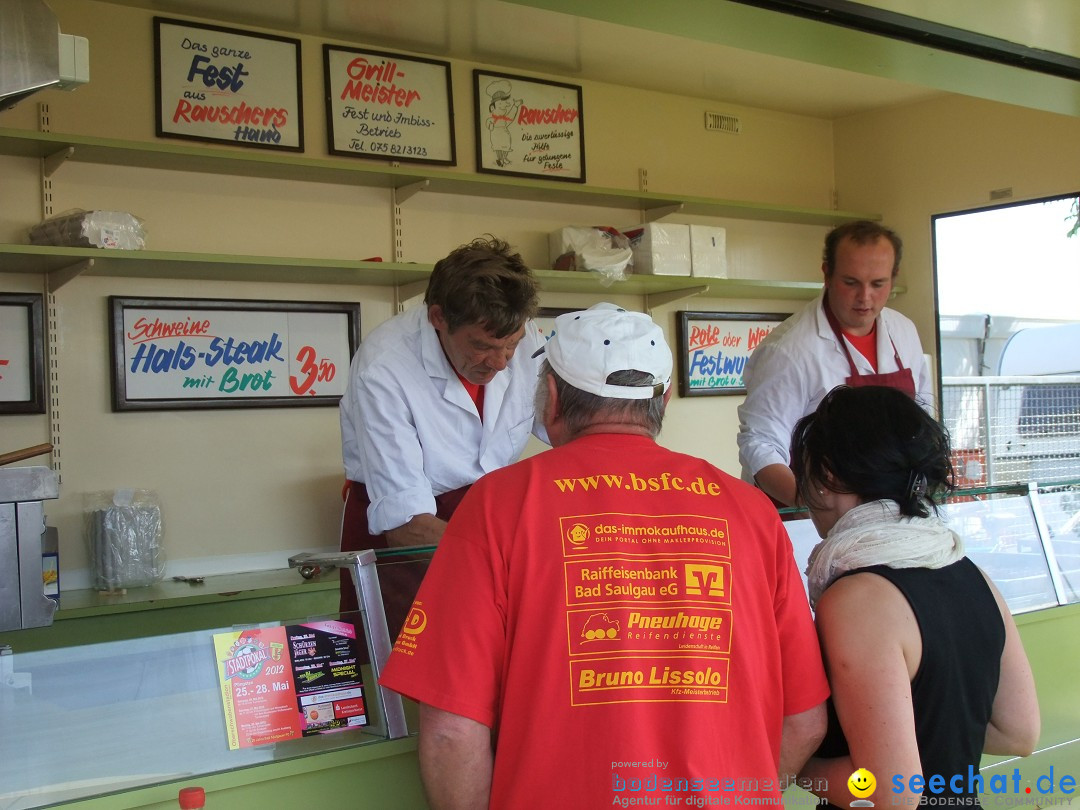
point(326, 672)
point(257, 689)
point(281, 683)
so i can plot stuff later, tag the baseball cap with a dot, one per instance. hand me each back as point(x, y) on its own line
point(590, 345)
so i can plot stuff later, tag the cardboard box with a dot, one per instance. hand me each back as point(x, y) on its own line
point(708, 251)
point(660, 249)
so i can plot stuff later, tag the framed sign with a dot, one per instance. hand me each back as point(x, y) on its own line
point(22, 354)
point(388, 106)
point(223, 84)
point(714, 347)
point(545, 320)
point(528, 127)
point(173, 353)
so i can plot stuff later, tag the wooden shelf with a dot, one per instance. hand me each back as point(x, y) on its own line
point(62, 263)
point(56, 148)
point(205, 266)
point(77, 604)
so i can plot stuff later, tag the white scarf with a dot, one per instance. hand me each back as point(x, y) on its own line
point(875, 533)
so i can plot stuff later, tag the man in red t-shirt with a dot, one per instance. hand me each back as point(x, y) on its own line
point(610, 622)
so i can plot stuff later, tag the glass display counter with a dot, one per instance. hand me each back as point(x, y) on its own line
point(86, 720)
point(1025, 536)
point(127, 705)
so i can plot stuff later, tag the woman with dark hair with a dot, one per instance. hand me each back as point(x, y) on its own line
point(926, 667)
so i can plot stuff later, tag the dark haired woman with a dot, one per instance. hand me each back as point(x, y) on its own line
point(925, 663)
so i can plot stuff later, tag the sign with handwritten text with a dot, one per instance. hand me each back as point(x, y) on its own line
point(528, 128)
point(22, 354)
point(714, 348)
point(388, 106)
point(223, 84)
point(172, 353)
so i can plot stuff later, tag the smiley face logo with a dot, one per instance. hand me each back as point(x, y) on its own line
point(862, 783)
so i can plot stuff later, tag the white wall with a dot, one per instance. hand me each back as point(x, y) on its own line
point(945, 155)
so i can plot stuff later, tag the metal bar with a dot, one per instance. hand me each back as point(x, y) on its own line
point(987, 431)
point(927, 33)
point(37, 608)
point(1047, 544)
point(1013, 379)
point(10, 602)
point(369, 597)
point(361, 565)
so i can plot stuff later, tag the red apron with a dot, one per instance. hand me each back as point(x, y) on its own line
point(398, 580)
point(901, 380)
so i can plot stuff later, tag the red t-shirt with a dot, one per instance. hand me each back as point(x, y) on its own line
point(628, 620)
point(866, 345)
point(476, 394)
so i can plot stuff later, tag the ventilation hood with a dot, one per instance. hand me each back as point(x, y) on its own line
point(34, 55)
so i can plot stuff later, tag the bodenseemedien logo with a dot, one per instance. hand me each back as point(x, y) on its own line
point(861, 784)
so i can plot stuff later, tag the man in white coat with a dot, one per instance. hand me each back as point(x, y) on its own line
point(845, 336)
point(437, 396)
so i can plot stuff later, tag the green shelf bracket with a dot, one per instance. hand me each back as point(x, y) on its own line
point(58, 278)
point(658, 299)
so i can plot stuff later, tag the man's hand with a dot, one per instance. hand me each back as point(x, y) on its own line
point(422, 530)
point(778, 481)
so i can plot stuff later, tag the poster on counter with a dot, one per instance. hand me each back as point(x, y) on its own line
point(713, 348)
point(388, 106)
point(282, 683)
point(22, 354)
point(227, 85)
point(528, 127)
point(178, 353)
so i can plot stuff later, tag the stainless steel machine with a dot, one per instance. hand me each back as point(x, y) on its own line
point(23, 602)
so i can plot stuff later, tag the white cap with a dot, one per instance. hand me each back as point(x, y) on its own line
point(590, 345)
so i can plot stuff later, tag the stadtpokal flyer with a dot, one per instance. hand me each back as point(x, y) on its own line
point(281, 683)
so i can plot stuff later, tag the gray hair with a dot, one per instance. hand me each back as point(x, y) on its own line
point(580, 409)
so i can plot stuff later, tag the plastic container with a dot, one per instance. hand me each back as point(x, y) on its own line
point(118, 230)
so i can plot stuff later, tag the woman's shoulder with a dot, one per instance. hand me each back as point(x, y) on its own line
point(862, 598)
point(864, 621)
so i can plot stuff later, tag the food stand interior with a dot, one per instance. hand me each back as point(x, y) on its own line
point(831, 122)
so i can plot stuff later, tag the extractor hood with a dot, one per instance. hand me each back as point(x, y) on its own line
point(34, 55)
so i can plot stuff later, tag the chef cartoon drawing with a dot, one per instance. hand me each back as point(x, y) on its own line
point(503, 108)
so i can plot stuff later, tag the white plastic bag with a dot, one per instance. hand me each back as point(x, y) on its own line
point(123, 535)
point(602, 249)
point(117, 230)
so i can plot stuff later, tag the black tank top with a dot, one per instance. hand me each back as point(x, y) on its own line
point(953, 690)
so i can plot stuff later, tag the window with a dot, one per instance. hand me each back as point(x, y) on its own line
point(1007, 280)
